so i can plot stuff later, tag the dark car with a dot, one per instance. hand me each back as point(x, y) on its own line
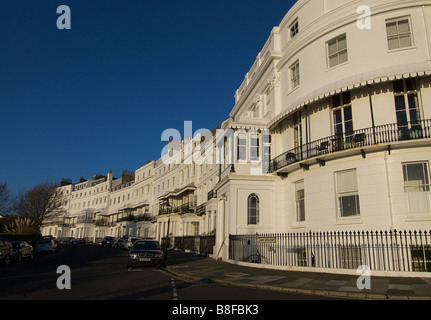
point(22, 250)
point(120, 244)
point(69, 240)
point(80, 241)
point(145, 252)
point(46, 245)
point(108, 241)
point(6, 251)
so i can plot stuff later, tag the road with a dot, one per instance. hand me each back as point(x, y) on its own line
point(99, 273)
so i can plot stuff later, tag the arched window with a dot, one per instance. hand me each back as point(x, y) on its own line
point(253, 209)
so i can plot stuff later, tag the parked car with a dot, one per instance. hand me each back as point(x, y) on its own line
point(80, 241)
point(6, 251)
point(130, 241)
point(108, 241)
point(145, 252)
point(120, 244)
point(46, 245)
point(22, 250)
point(69, 240)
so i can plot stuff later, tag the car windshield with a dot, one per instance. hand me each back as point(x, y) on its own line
point(146, 245)
point(16, 244)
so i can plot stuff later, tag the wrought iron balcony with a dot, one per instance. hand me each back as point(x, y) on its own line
point(200, 210)
point(212, 194)
point(377, 135)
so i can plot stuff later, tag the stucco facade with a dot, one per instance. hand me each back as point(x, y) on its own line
point(331, 130)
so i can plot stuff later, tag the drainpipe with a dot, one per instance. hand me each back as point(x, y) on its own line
point(389, 191)
point(306, 129)
point(372, 113)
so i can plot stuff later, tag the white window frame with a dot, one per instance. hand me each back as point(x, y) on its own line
point(250, 217)
point(241, 146)
point(300, 201)
point(412, 189)
point(295, 77)
point(344, 194)
point(294, 29)
point(399, 34)
point(252, 147)
point(338, 52)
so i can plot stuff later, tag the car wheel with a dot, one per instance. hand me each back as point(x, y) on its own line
point(7, 260)
point(19, 259)
point(31, 256)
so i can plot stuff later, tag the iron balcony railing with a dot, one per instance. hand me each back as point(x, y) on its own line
point(188, 207)
point(404, 251)
point(212, 194)
point(356, 139)
point(200, 210)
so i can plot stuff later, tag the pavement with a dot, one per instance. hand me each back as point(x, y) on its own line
point(193, 267)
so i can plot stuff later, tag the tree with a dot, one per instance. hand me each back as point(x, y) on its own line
point(4, 199)
point(38, 203)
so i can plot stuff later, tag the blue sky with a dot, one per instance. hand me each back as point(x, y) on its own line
point(97, 97)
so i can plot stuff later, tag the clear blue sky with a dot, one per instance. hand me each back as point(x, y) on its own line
point(98, 97)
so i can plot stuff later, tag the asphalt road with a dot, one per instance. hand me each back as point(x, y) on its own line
point(99, 273)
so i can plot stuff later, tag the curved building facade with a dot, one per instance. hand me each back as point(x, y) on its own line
point(330, 131)
point(343, 89)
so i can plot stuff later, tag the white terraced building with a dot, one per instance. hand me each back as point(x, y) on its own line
point(330, 131)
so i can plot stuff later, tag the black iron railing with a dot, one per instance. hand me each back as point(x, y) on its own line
point(188, 207)
point(405, 251)
point(356, 139)
point(201, 243)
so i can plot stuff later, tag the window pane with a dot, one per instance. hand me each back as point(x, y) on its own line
point(300, 209)
point(414, 109)
point(346, 97)
point(333, 61)
point(254, 147)
point(346, 181)
point(349, 205)
point(410, 84)
point(416, 186)
point(391, 28)
point(332, 47)
point(348, 127)
point(337, 117)
point(405, 41)
point(393, 43)
point(401, 117)
point(400, 104)
point(343, 57)
point(347, 113)
point(336, 101)
point(415, 174)
point(403, 26)
point(242, 153)
point(398, 86)
point(342, 44)
point(253, 209)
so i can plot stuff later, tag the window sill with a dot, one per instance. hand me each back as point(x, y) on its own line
point(402, 49)
point(349, 220)
point(426, 216)
point(294, 89)
point(299, 225)
point(337, 66)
